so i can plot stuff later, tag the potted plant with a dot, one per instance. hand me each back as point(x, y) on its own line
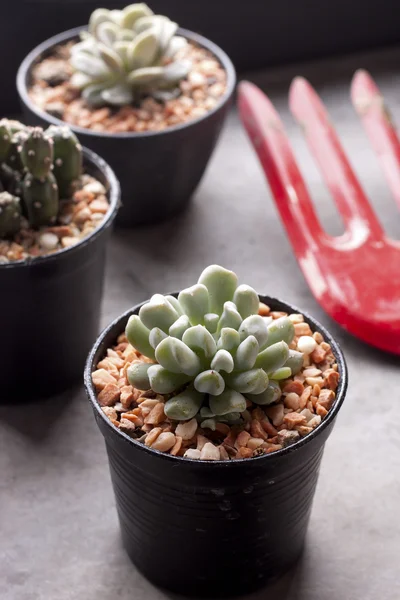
point(215, 405)
point(57, 203)
point(149, 97)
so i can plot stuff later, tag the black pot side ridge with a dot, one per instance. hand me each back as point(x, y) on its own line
point(213, 528)
point(50, 307)
point(158, 170)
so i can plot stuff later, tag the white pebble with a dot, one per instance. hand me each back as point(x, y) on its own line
point(97, 216)
point(164, 442)
point(314, 422)
point(187, 430)
point(307, 414)
point(95, 187)
point(306, 344)
point(48, 241)
point(196, 79)
point(209, 452)
point(192, 453)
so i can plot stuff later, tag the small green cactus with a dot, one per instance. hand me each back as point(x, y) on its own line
point(40, 199)
point(125, 54)
point(212, 349)
point(36, 168)
point(10, 214)
point(37, 153)
point(67, 159)
point(5, 139)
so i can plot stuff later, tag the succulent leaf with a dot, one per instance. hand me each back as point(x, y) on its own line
point(209, 382)
point(165, 382)
point(222, 361)
point(211, 322)
point(273, 357)
point(282, 373)
point(253, 381)
point(221, 285)
point(117, 95)
point(200, 340)
point(156, 336)
point(185, 405)
point(280, 329)
point(254, 325)
point(230, 401)
point(230, 317)
point(246, 300)
point(138, 376)
point(247, 353)
point(143, 51)
point(138, 335)
point(294, 362)
point(178, 328)
point(194, 301)
point(229, 339)
point(270, 395)
point(133, 12)
point(175, 304)
point(175, 356)
point(158, 313)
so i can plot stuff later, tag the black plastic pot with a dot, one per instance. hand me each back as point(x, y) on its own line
point(158, 171)
point(213, 528)
point(50, 307)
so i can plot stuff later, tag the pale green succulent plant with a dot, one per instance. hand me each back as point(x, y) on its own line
point(127, 53)
point(211, 349)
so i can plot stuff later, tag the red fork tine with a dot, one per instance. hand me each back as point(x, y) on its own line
point(369, 104)
point(306, 106)
point(267, 134)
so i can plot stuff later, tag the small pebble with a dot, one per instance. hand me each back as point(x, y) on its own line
point(209, 452)
point(292, 401)
point(192, 453)
point(95, 187)
point(48, 241)
point(306, 344)
point(187, 430)
point(164, 442)
point(67, 241)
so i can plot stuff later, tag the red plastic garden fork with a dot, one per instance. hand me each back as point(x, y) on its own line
point(355, 277)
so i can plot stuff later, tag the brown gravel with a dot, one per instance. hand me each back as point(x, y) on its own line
point(300, 409)
point(199, 93)
point(78, 218)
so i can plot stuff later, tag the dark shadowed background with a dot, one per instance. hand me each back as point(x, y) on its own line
point(255, 33)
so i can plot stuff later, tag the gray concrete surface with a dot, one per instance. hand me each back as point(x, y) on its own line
point(59, 536)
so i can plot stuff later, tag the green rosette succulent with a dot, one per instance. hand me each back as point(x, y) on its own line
point(211, 349)
point(127, 53)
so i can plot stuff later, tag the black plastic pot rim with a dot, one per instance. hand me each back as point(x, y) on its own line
point(114, 195)
point(26, 65)
point(340, 395)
